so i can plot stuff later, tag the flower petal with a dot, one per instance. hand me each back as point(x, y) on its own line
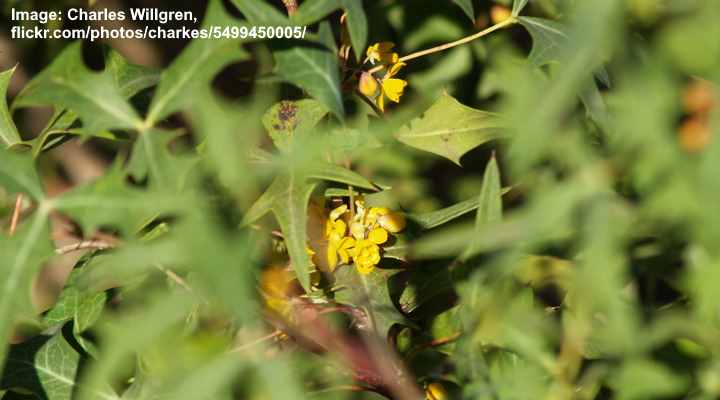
point(393, 88)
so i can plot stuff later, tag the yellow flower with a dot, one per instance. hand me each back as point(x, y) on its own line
point(378, 236)
point(366, 255)
point(391, 221)
point(390, 87)
point(381, 52)
point(335, 229)
point(275, 285)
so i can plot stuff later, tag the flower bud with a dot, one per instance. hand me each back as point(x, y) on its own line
point(368, 85)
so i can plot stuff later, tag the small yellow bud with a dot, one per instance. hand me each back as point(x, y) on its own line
point(393, 222)
point(435, 391)
point(499, 14)
point(368, 85)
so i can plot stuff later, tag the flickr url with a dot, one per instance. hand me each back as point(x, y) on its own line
point(92, 33)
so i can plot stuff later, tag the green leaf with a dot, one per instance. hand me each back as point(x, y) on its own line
point(259, 12)
point(548, 39)
point(47, 366)
point(288, 120)
point(195, 67)
point(288, 197)
point(518, 6)
point(467, 7)
point(130, 78)
point(336, 173)
point(490, 202)
point(644, 379)
point(111, 201)
point(372, 293)
point(23, 255)
point(313, 66)
point(450, 129)
point(18, 174)
point(9, 135)
point(95, 97)
point(290, 209)
point(79, 304)
point(436, 218)
point(151, 157)
point(312, 11)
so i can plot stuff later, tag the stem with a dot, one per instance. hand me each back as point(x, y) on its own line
point(467, 39)
point(16, 214)
point(87, 245)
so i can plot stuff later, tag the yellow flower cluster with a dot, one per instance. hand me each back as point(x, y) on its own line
point(358, 237)
point(390, 87)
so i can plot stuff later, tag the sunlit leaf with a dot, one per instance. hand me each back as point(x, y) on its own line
point(451, 129)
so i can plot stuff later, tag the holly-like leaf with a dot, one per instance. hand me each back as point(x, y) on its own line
point(372, 293)
point(195, 67)
point(95, 97)
point(288, 120)
point(312, 11)
point(450, 129)
point(548, 39)
point(9, 135)
point(467, 7)
point(47, 366)
point(313, 66)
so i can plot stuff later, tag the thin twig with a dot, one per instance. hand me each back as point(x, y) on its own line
point(85, 245)
point(245, 346)
point(16, 214)
point(175, 278)
point(446, 46)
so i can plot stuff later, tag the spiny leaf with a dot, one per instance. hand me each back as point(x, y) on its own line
point(195, 66)
point(48, 367)
point(287, 120)
point(467, 7)
point(313, 66)
point(450, 129)
point(95, 97)
point(9, 135)
point(548, 39)
point(370, 291)
point(312, 11)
